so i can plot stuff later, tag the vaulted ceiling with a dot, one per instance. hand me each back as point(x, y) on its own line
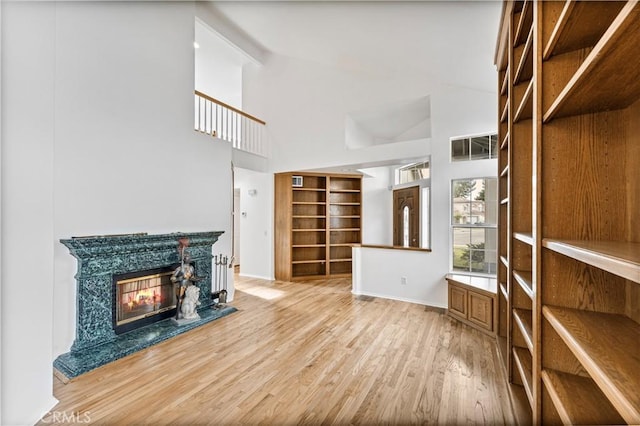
point(451, 41)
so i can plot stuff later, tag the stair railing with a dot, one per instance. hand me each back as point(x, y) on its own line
point(244, 131)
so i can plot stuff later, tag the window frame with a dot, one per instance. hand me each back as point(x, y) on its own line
point(493, 153)
point(398, 171)
point(492, 264)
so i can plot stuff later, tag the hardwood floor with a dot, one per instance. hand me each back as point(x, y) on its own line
point(302, 353)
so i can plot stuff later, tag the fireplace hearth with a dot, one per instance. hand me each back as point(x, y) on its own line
point(125, 295)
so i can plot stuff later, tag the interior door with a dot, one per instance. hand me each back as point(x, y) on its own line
point(406, 217)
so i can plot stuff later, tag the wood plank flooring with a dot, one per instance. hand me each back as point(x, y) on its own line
point(302, 353)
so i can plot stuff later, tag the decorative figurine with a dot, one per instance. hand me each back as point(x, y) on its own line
point(184, 276)
point(190, 303)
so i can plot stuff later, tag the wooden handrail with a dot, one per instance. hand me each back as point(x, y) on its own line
point(209, 98)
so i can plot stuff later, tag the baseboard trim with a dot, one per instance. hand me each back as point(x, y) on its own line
point(260, 277)
point(400, 299)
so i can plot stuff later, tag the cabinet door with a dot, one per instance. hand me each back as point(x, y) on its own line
point(481, 310)
point(457, 301)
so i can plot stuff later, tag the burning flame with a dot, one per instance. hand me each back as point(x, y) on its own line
point(147, 296)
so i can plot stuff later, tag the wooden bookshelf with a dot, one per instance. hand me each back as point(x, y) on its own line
point(524, 237)
point(578, 400)
point(522, 361)
point(525, 280)
point(316, 224)
point(569, 241)
point(618, 257)
point(524, 55)
point(607, 346)
point(564, 37)
point(522, 319)
point(525, 18)
point(605, 80)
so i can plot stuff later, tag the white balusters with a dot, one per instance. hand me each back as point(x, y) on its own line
point(220, 120)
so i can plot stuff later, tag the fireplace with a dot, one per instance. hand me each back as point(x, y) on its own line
point(142, 297)
point(105, 260)
point(125, 294)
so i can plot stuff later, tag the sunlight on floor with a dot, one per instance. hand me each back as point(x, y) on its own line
point(261, 292)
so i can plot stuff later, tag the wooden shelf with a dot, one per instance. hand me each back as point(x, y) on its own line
point(569, 170)
point(300, 262)
point(505, 82)
point(524, 23)
point(310, 189)
point(503, 290)
point(525, 109)
point(505, 113)
point(505, 141)
point(570, 32)
point(522, 319)
point(524, 237)
point(619, 258)
point(524, 279)
point(578, 400)
point(522, 361)
point(315, 225)
point(603, 344)
point(605, 81)
point(524, 71)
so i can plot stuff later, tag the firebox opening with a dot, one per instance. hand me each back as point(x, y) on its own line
point(142, 297)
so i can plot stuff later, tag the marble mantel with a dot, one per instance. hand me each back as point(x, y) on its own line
point(99, 259)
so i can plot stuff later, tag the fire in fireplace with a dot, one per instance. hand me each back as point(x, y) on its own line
point(142, 297)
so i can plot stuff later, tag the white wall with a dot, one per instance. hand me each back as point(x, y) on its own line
point(256, 223)
point(236, 226)
point(218, 67)
point(97, 139)
point(377, 207)
point(306, 104)
point(27, 210)
point(0, 214)
point(380, 272)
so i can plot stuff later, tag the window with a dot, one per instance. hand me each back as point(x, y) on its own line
point(474, 148)
point(474, 206)
point(412, 173)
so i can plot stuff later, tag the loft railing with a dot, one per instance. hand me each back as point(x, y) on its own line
point(245, 132)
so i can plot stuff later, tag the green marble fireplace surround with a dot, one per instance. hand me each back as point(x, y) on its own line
point(99, 260)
